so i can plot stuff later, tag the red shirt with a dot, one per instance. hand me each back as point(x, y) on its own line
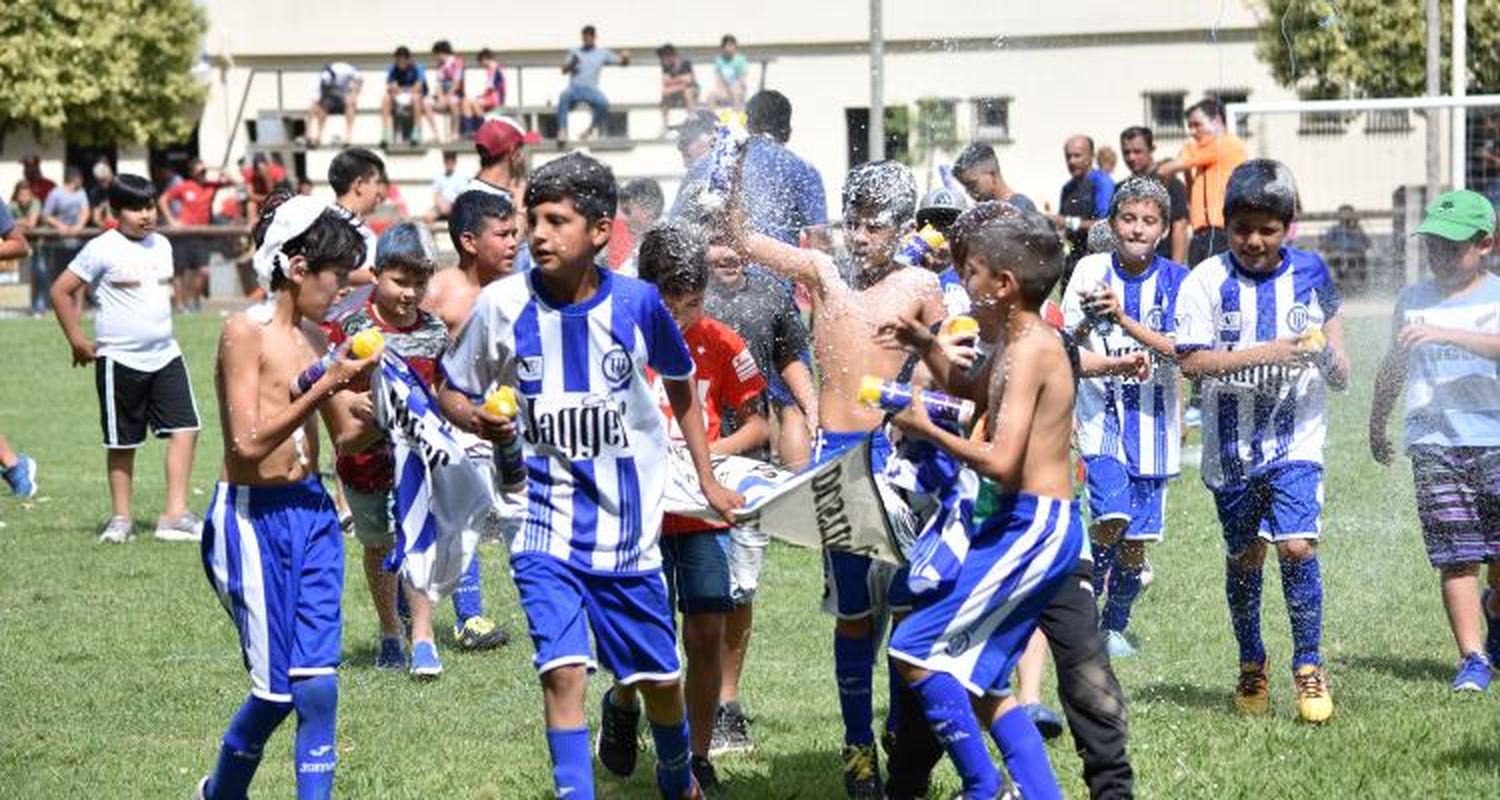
point(197, 201)
point(621, 243)
point(725, 377)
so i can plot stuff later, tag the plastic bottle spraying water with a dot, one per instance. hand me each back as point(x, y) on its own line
point(961, 327)
point(362, 345)
point(918, 245)
point(946, 410)
point(510, 463)
point(730, 138)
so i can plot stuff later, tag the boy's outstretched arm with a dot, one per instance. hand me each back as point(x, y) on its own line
point(811, 268)
point(248, 435)
point(1334, 360)
point(690, 419)
point(1390, 378)
point(1000, 459)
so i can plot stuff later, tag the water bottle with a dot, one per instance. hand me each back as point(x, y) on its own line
point(945, 410)
point(1091, 300)
point(362, 345)
point(961, 327)
point(918, 245)
point(510, 463)
point(730, 137)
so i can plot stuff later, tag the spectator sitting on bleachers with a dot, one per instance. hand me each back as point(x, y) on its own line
point(338, 93)
point(448, 94)
point(641, 204)
point(731, 72)
point(583, 66)
point(1345, 247)
point(493, 96)
point(446, 187)
point(679, 89)
point(405, 103)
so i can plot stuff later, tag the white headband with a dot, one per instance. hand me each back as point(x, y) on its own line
point(290, 220)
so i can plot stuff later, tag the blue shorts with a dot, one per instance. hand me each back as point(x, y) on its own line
point(697, 569)
point(976, 627)
point(275, 556)
point(1284, 501)
point(1115, 494)
point(776, 388)
point(853, 585)
point(629, 615)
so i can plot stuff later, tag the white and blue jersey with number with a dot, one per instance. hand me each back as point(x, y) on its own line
point(1264, 416)
point(1452, 394)
point(955, 296)
point(1132, 421)
point(593, 437)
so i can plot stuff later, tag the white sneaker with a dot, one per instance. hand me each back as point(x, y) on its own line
point(118, 530)
point(186, 528)
point(1147, 576)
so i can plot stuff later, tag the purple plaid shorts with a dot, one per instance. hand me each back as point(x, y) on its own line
point(1458, 501)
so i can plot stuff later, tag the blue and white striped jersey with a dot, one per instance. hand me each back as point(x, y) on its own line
point(594, 439)
point(1134, 422)
point(1452, 394)
point(1265, 415)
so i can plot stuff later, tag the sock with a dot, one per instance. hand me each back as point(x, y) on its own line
point(317, 701)
point(466, 600)
point(899, 692)
point(674, 777)
point(239, 753)
point(1124, 587)
point(854, 667)
point(1302, 586)
point(952, 721)
point(1243, 590)
point(1025, 755)
point(1104, 559)
point(572, 769)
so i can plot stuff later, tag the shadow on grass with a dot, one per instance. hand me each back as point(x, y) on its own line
point(1473, 757)
point(1414, 669)
point(1181, 694)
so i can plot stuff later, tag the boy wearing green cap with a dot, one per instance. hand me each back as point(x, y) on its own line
point(1445, 348)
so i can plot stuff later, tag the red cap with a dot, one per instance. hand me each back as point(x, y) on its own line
point(499, 136)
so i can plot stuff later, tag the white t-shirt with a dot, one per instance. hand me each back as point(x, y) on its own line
point(133, 282)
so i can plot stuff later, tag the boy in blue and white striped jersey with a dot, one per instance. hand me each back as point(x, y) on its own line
point(1120, 302)
point(1260, 326)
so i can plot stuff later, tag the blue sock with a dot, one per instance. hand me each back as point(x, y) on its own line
point(572, 765)
point(673, 776)
point(854, 667)
point(1302, 585)
point(466, 599)
point(952, 719)
point(1025, 755)
point(1104, 559)
point(1243, 589)
point(317, 701)
point(239, 753)
point(1124, 587)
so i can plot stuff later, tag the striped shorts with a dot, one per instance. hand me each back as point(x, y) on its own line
point(1458, 501)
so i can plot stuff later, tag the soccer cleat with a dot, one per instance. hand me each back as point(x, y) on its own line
point(186, 528)
point(704, 774)
point(1314, 701)
point(117, 530)
point(862, 772)
point(1473, 674)
point(617, 746)
point(731, 731)
point(201, 791)
point(479, 633)
point(425, 665)
point(1492, 637)
point(390, 655)
point(1047, 722)
point(1252, 695)
point(22, 477)
point(1117, 645)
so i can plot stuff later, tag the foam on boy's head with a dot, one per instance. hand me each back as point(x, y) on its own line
point(1261, 184)
point(881, 193)
point(1137, 189)
point(405, 246)
point(579, 178)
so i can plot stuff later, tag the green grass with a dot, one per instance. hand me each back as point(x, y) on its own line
point(118, 670)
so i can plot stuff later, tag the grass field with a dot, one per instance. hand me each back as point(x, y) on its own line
point(118, 670)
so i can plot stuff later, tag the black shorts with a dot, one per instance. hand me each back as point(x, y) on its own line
point(332, 102)
point(129, 400)
point(189, 252)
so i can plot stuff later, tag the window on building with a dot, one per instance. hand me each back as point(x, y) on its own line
point(1394, 120)
point(1165, 113)
point(1322, 123)
point(1228, 96)
point(992, 119)
point(897, 137)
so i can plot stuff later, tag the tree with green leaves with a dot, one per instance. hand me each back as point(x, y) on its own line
point(1369, 48)
point(100, 72)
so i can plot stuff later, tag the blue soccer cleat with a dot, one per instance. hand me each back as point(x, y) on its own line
point(22, 477)
point(425, 665)
point(1473, 674)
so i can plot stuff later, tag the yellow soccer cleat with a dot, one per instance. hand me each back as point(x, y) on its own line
point(1252, 695)
point(1314, 701)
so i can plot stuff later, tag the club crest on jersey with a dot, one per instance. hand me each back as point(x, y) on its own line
point(1154, 319)
point(958, 644)
point(1297, 318)
point(1229, 320)
point(529, 368)
point(616, 365)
